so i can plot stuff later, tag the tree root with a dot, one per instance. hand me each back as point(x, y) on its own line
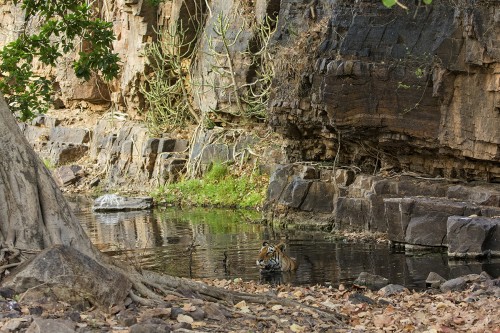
point(168, 285)
point(150, 289)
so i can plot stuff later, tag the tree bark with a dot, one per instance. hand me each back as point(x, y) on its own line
point(33, 212)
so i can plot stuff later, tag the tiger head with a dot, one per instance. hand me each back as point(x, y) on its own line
point(272, 258)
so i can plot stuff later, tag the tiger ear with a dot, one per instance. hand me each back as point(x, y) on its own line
point(281, 246)
point(265, 244)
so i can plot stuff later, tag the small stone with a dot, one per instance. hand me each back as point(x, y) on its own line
point(485, 276)
point(198, 314)
point(175, 312)
point(453, 284)
point(7, 292)
point(74, 316)
point(434, 280)
point(35, 310)
point(127, 321)
point(67, 174)
point(213, 311)
point(51, 325)
point(391, 289)
point(13, 324)
point(182, 318)
point(358, 298)
point(179, 326)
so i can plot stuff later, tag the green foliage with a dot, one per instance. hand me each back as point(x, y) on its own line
point(217, 173)
point(48, 164)
point(63, 24)
point(391, 3)
point(219, 221)
point(218, 188)
point(419, 73)
point(402, 85)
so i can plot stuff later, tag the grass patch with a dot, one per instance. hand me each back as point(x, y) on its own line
point(218, 188)
point(48, 164)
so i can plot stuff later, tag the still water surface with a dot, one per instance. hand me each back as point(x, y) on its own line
point(195, 242)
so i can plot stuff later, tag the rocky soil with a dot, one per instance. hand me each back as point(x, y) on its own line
point(468, 304)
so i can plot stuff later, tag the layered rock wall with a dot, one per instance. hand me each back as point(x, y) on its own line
point(408, 98)
point(414, 91)
point(358, 90)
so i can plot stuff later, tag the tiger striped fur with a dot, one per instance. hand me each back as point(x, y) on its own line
point(273, 259)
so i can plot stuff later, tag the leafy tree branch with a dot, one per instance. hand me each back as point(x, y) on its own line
point(65, 25)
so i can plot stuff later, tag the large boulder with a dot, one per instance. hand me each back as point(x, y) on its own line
point(423, 221)
point(71, 276)
point(473, 236)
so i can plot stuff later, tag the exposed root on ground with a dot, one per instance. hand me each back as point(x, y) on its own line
point(149, 289)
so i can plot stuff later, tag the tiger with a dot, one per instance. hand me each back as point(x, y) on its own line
point(273, 259)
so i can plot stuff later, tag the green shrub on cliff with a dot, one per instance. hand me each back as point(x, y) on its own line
point(218, 188)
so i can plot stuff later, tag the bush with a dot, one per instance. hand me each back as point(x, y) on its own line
point(218, 188)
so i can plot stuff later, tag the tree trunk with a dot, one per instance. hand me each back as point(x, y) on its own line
point(33, 212)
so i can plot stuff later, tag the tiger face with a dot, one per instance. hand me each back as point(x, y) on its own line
point(272, 258)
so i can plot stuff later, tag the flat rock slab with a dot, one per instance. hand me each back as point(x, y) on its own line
point(72, 276)
point(113, 203)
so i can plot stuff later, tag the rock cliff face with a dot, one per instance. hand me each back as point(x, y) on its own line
point(410, 98)
point(415, 91)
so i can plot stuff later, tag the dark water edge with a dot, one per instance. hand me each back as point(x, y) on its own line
point(219, 243)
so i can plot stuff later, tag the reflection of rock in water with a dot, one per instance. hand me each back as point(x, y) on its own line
point(110, 219)
point(117, 217)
